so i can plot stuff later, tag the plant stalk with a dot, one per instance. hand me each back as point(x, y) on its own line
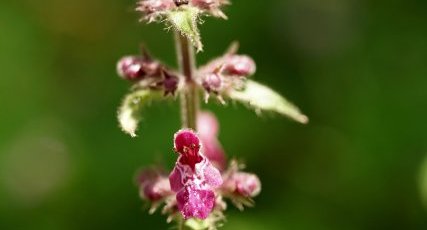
point(189, 95)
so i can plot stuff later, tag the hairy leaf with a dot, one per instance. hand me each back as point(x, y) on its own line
point(129, 113)
point(185, 19)
point(262, 98)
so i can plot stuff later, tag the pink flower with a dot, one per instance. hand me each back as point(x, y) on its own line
point(193, 177)
point(137, 68)
point(207, 128)
point(228, 72)
point(211, 6)
point(154, 185)
point(242, 184)
point(156, 9)
point(212, 82)
point(239, 65)
point(153, 8)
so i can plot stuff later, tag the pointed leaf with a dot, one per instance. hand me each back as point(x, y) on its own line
point(262, 98)
point(129, 112)
point(184, 19)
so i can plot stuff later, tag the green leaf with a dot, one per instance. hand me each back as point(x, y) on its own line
point(184, 19)
point(129, 113)
point(262, 98)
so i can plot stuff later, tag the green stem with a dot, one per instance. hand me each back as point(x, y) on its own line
point(189, 95)
point(181, 224)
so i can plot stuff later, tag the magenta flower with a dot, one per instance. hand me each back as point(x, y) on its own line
point(207, 128)
point(194, 178)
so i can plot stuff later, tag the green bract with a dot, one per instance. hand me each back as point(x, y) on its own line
point(184, 19)
point(129, 113)
point(262, 98)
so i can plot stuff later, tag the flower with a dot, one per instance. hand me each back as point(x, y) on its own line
point(138, 67)
point(193, 178)
point(243, 184)
point(207, 128)
point(154, 10)
point(148, 73)
point(154, 185)
point(239, 65)
point(226, 73)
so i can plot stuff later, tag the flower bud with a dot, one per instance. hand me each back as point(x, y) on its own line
point(243, 184)
point(207, 127)
point(211, 6)
point(205, 4)
point(130, 68)
point(154, 6)
point(137, 67)
point(239, 65)
point(212, 82)
point(153, 185)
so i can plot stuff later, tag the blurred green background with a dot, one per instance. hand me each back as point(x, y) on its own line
point(357, 68)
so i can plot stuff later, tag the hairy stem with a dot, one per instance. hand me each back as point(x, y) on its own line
point(181, 224)
point(189, 95)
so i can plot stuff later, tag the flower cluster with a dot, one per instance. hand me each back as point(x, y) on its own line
point(195, 192)
point(225, 73)
point(196, 187)
point(154, 10)
point(148, 73)
point(218, 77)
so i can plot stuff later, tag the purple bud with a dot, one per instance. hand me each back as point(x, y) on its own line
point(205, 4)
point(212, 82)
point(154, 185)
point(211, 6)
point(154, 6)
point(137, 67)
point(240, 65)
point(130, 68)
point(243, 184)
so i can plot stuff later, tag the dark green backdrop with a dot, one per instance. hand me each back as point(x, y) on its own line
point(357, 68)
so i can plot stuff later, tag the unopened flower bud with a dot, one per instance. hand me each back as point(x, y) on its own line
point(154, 185)
point(207, 127)
point(240, 65)
point(130, 68)
point(205, 4)
point(154, 6)
point(212, 82)
point(243, 184)
point(138, 67)
point(211, 6)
